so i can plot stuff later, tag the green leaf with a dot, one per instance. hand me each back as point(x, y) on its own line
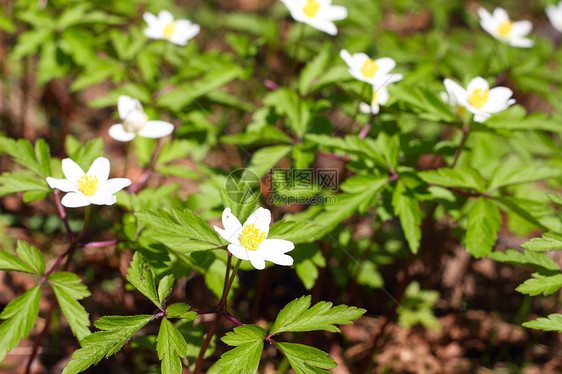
point(552, 323)
point(296, 316)
point(180, 310)
point(32, 256)
point(460, 177)
point(116, 331)
point(22, 181)
point(550, 241)
point(517, 172)
point(484, 222)
point(30, 41)
point(68, 289)
point(19, 315)
point(266, 158)
point(243, 359)
point(83, 155)
point(244, 334)
point(171, 347)
point(545, 282)
point(288, 103)
point(165, 287)
point(315, 68)
point(9, 262)
point(297, 232)
point(305, 359)
point(406, 207)
point(181, 230)
point(142, 278)
point(528, 259)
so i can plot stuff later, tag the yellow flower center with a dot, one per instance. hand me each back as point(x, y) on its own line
point(88, 185)
point(369, 68)
point(251, 237)
point(169, 29)
point(504, 29)
point(311, 8)
point(478, 98)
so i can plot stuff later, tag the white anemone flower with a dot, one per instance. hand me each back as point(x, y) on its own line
point(248, 241)
point(554, 13)
point(319, 14)
point(479, 99)
point(165, 27)
point(371, 71)
point(135, 122)
point(92, 187)
point(502, 28)
point(380, 97)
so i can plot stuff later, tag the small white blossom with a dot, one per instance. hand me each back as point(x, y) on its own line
point(165, 27)
point(135, 122)
point(92, 187)
point(371, 71)
point(319, 14)
point(249, 241)
point(380, 97)
point(479, 99)
point(502, 28)
point(554, 13)
point(450, 99)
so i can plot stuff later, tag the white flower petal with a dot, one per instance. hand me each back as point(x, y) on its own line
point(125, 105)
point(279, 258)
point(153, 33)
point(238, 251)
point(276, 245)
point(477, 83)
point(71, 170)
point(498, 96)
point(385, 64)
point(150, 18)
point(481, 117)
point(261, 219)
point(333, 12)
point(456, 91)
point(102, 199)
point(554, 14)
point(521, 28)
point(232, 227)
point(324, 25)
point(185, 31)
point(382, 95)
point(165, 17)
point(64, 185)
point(156, 129)
point(114, 185)
point(256, 260)
point(74, 200)
point(500, 15)
point(100, 168)
point(365, 108)
point(375, 108)
point(118, 133)
point(386, 79)
point(346, 56)
point(521, 42)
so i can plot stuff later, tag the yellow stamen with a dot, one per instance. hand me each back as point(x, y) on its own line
point(461, 111)
point(251, 237)
point(88, 185)
point(369, 68)
point(169, 29)
point(311, 8)
point(504, 29)
point(478, 98)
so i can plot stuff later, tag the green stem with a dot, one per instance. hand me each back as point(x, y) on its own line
point(465, 132)
point(226, 290)
point(84, 225)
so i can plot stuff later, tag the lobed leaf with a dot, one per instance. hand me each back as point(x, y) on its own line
point(552, 323)
point(545, 282)
point(244, 334)
point(484, 222)
point(296, 316)
point(116, 331)
point(305, 359)
point(171, 347)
